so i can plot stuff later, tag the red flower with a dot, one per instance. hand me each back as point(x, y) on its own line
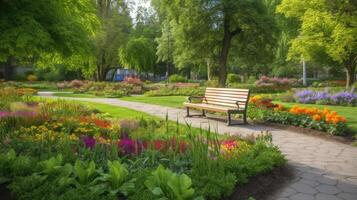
point(159, 145)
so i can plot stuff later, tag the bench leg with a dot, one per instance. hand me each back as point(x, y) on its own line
point(245, 118)
point(187, 112)
point(229, 119)
point(203, 113)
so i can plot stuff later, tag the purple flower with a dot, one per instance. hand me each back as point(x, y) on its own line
point(24, 114)
point(88, 141)
point(344, 98)
point(127, 146)
point(306, 96)
point(322, 96)
point(4, 114)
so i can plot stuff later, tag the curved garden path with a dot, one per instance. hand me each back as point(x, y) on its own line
point(325, 170)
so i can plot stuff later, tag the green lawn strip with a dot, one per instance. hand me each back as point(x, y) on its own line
point(169, 101)
point(349, 112)
point(117, 111)
point(79, 95)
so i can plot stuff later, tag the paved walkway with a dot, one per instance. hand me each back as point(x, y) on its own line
point(325, 170)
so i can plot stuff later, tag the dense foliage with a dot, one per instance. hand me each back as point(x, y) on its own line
point(328, 30)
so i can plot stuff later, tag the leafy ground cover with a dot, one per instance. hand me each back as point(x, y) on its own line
point(57, 149)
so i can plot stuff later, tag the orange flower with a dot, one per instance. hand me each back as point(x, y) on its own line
point(317, 117)
point(279, 107)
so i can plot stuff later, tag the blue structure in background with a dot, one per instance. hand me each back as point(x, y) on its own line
point(119, 77)
point(120, 74)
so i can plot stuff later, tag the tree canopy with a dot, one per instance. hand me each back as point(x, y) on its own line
point(328, 31)
point(30, 28)
point(138, 54)
point(206, 30)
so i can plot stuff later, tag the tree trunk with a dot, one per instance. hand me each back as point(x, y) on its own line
point(9, 67)
point(350, 75)
point(226, 43)
point(209, 69)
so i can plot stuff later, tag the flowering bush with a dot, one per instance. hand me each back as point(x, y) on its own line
point(133, 80)
point(76, 83)
point(324, 97)
point(274, 84)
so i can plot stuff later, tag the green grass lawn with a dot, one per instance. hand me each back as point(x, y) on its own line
point(118, 112)
point(59, 94)
point(170, 101)
point(349, 112)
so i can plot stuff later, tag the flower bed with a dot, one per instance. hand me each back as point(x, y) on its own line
point(127, 87)
point(312, 118)
point(326, 98)
point(274, 84)
point(67, 151)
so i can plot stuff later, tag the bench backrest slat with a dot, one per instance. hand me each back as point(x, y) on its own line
point(227, 97)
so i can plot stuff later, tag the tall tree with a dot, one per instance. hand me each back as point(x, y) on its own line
point(212, 26)
point(328, 30)
point(139, 54)
point(29, 29)
point(116, 27)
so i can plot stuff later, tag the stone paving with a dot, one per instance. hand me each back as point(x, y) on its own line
point(325, 170)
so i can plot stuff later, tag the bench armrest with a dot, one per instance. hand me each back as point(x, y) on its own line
point(195, 97)
point(237, 103)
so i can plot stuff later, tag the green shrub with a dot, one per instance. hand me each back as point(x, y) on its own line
point(251, 79)
point(261, 158)
point(233, 78)
point(169, 91)
point(177, 78)
point(212, 83)
point(32, 78)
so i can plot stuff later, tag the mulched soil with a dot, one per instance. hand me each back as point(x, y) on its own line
point(264, 186)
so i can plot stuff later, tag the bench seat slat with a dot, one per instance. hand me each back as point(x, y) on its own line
point(234, 98)
point(226, 94)
point(227, 89)
point(216, 108)
point(224, 99)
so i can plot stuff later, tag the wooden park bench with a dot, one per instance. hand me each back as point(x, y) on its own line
point(225, 100)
